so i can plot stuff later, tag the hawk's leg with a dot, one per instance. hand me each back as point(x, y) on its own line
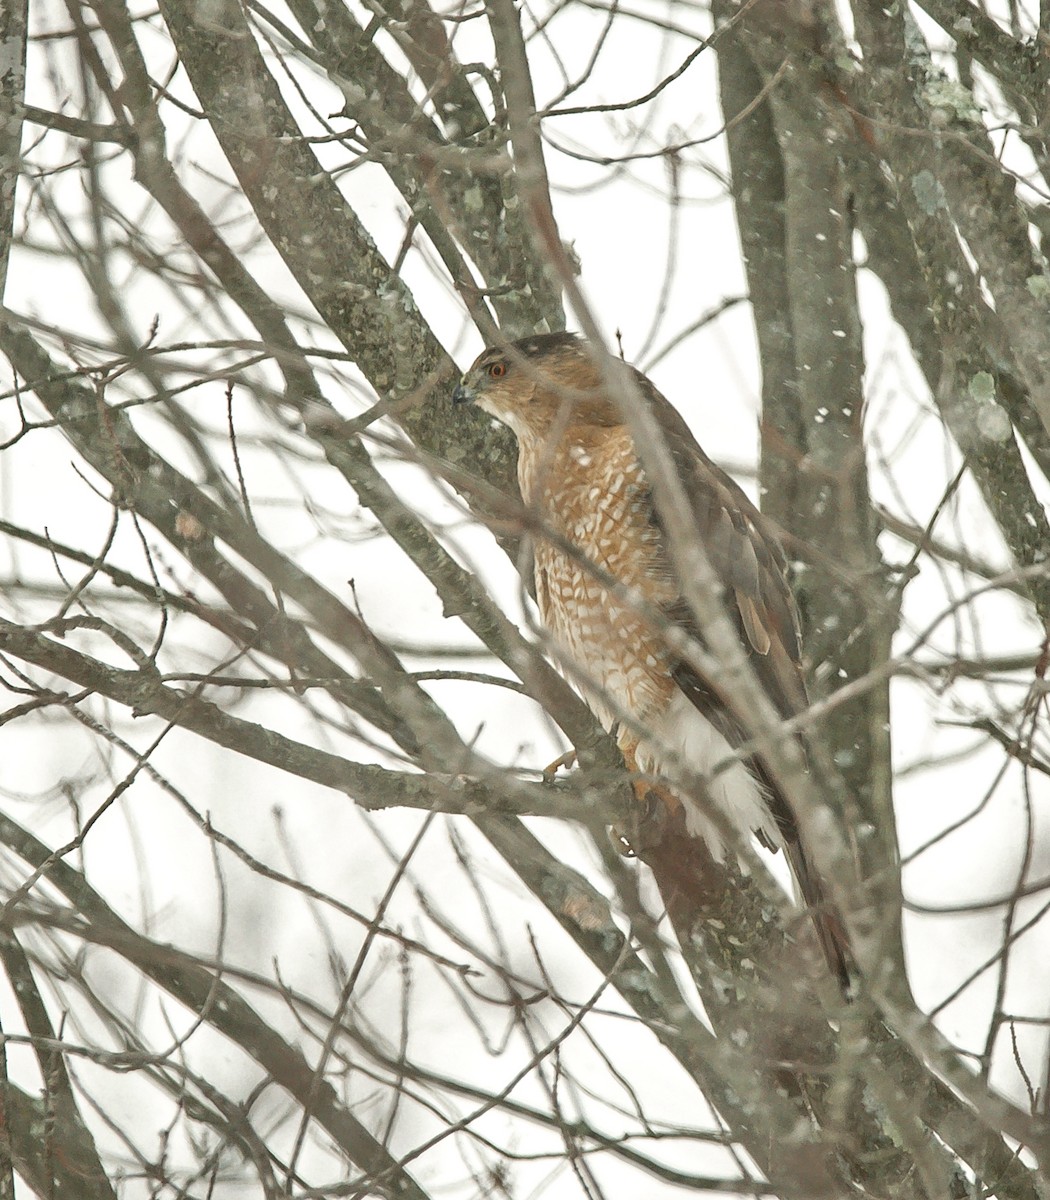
point(651, 818)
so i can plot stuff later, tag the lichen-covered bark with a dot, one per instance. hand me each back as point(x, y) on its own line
point(977, 354)
point(330, 253)
point(13, 32)
point(793, 211)
point(826, 1096)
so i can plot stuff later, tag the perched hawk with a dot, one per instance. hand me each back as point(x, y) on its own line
point(579, 471)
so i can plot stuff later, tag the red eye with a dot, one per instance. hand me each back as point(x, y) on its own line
point(497, 370)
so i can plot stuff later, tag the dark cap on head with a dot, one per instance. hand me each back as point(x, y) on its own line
point(535, 347)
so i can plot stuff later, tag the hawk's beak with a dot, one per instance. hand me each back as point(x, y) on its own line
point(462, 394)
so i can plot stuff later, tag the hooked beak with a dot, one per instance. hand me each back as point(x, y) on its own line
point(462, 394)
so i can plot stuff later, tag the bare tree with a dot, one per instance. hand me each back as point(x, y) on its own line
point(289, 907)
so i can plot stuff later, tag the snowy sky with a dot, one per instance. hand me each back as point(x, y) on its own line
point(147, 857)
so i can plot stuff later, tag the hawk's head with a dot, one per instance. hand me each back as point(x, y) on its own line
point(536, 382)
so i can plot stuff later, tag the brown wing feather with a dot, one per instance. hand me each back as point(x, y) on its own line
point(744, 551)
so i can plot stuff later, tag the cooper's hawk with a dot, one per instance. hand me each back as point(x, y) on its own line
point(580, 473)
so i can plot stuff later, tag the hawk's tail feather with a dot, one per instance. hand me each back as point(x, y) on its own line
point(827, 920)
